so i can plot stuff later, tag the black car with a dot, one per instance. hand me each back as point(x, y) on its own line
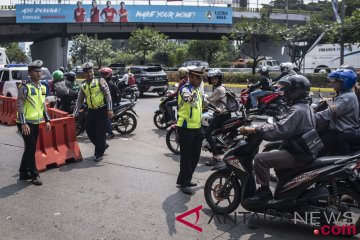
point(148, 78)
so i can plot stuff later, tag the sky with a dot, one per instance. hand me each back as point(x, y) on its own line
point(116, 2)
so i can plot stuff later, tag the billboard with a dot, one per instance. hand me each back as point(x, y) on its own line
point(61, 13)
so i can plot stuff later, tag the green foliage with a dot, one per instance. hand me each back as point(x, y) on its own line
point(79, 48)
point(14, 52)
point(352, 27)
point(146, 40)
point(206, 50)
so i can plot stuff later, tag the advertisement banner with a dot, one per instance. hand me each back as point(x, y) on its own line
point(61, 13)
point(218, 1)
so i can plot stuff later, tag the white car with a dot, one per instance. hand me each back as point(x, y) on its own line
point(11, 76)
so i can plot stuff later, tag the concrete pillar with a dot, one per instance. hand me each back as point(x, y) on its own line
point(53, 52)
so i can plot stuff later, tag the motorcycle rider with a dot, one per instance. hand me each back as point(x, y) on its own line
point(265, 85)
point(184, 78)
point(218, 99)
point(342, 115)
point(298, 121)
point(106, 73)
point(73, 90)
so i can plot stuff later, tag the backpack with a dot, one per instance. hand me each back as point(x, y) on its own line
point(60, 89)
point(232, 104)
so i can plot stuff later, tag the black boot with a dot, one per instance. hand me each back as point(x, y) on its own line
point(262, 195)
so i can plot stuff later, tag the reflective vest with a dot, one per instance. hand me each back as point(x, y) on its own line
point(34, 104)
point(189, 114)
point(94, 96)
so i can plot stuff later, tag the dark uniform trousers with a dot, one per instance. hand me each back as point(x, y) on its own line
point(96, 122)
point(190, 148)
point(28, 158)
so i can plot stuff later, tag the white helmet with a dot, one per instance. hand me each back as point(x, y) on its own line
point(206, 118)
point(183, 71)
point(286, 67)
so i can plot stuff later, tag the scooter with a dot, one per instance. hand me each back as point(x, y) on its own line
point(161, 117)
point(328, 185)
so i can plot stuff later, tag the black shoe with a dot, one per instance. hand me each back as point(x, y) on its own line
point(98, 158)
point(110, 136)
point(192, 184)
point(25, 176)
point(106, 146)
point(262, 195)
point(187, 190)
point(36, 180)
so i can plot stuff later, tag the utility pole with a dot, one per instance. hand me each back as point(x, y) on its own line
point(342, 32)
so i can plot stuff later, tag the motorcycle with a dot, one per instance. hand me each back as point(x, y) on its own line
point(124, 120)
point(161, 117)
point(328, 185)
point(272, 104)
point(224, 137)
point(129, 92)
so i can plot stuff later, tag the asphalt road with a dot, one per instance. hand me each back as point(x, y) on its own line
point(131, 194)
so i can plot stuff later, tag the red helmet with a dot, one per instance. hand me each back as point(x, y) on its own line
point(105, 72)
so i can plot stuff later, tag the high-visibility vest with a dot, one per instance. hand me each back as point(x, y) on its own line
point(94, 96)
point(189, 114)
point(34, 104)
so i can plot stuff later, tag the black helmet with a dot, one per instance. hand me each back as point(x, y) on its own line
point(264, 71)
point(71, 76)
point(296, 87)
point(62, 69)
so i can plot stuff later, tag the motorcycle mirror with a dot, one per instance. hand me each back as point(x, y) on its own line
point(270, 120)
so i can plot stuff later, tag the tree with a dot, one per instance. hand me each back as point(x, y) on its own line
point(254, 32)
point(100, 50)
point(352, 27)
point(206, 50)
point(14, 52)
point(79, 48)
point(146, 40)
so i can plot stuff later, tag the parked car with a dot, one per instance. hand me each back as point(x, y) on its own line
point(148, 78)
point(197, 63)
point(12, 75)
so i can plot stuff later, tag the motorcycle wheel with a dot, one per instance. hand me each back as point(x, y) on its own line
point(172, 141)
point(215, 183)
point(125, 123)
point(350, 200)
point(159, 121)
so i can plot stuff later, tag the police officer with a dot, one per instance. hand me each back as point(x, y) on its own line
point(98, 99)
point(189, 127)
point(31, 111)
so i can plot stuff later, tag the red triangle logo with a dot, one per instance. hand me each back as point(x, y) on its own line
point(196, 210)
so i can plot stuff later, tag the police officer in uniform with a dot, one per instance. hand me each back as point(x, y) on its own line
point(189, 127)
point(98, 99)
point(31, 111)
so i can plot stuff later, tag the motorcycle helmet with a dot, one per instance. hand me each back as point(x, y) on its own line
point(347, 66)
point(62, 69)
point(346, 76)
point(206, 119)
point(264, 71)
point(183, 72)
point(286, 67)
point(105, 72)
point(71, 76)
point(296, 87)
point(57, 75)
point(215, 72)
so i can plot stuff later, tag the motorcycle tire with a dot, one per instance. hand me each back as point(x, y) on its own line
point(352, 199)
point(172, 141)
point(123, 121)
point(210, 192)
point(159, 121)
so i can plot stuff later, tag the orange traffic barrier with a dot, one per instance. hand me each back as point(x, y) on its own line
point(56, 113)
point(58, 145)
point(8, 110)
